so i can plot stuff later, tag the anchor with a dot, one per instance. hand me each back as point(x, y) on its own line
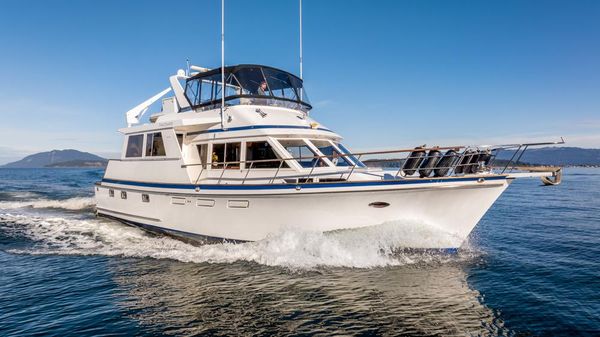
point(554, 179)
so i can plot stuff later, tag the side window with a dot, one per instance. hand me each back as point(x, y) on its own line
point(228, 153)
point(134, 146)
point(332, 153)
point(303, 154)
point(261, 150)
point(232, 154)
point(218, 155)
point(154, 145)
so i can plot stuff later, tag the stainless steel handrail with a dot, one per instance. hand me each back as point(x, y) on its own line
point(355, 159)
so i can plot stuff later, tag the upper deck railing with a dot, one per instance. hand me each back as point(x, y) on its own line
point(417, 163)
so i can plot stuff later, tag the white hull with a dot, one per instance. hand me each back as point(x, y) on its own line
point(453, 207)
point(254, 163)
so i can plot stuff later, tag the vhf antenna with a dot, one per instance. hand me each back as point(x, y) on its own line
point(300, 39)
point(222, 61)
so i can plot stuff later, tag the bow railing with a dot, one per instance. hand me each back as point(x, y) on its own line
point(416, 163)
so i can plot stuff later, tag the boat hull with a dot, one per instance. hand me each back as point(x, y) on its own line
point(448, 208)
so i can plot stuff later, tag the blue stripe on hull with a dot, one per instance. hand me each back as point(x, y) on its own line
point(293, 186)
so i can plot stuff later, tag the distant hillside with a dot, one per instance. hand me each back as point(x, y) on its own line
point(80, 163)
point(558, 156)
point(59, 158)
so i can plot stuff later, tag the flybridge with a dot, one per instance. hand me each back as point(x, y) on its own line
point(246, 84)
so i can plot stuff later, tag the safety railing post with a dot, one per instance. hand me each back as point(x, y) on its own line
point(354, 166)
point(518, 158)
point(222, 173)
point(401, 166)
point(277, 172)
point(495, 153)
point(199, 175)
point(247, 172)
point(312, 169)
point(511, 158)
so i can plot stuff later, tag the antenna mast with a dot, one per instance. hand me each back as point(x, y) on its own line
point(300, 39)
point(222, 61)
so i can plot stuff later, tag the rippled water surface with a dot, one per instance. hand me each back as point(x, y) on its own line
point(531, 267)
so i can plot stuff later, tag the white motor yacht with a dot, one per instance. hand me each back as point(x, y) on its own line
point(246, 159)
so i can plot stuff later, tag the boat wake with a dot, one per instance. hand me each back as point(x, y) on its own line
point(291, 248)
point(77, 203)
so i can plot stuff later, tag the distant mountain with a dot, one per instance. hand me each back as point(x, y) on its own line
point(560, 156)
point(80, 163)
point(59, 158)
point(555, 156)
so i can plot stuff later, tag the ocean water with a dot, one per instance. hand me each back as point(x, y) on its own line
point(531, 267)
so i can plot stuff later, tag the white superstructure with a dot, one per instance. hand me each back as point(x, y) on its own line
point(263, 163)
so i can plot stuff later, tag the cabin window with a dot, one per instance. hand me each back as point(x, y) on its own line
point(180, 140)
point(134, 146)
point(332, 153)
point(154, 145)
point(227, 153)
point(299, 150)
point(262, 150)
point(123, 195)
point(111, 193)
point(145, 198)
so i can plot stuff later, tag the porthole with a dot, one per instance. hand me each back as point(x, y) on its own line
point(379, 204)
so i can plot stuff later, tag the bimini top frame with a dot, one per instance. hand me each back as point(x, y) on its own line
point(247, 84)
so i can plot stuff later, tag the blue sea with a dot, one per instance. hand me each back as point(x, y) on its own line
point(530, 268)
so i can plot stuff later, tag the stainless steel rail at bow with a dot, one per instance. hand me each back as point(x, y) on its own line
point(465, 160)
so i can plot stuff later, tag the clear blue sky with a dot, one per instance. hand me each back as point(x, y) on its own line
point(381, 73)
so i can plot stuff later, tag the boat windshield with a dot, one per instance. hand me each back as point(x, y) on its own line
point(247, 84)
point(350, 155)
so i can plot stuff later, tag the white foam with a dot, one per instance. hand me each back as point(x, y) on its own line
point(69, 204)
point(21, 194)
point(291, 248)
